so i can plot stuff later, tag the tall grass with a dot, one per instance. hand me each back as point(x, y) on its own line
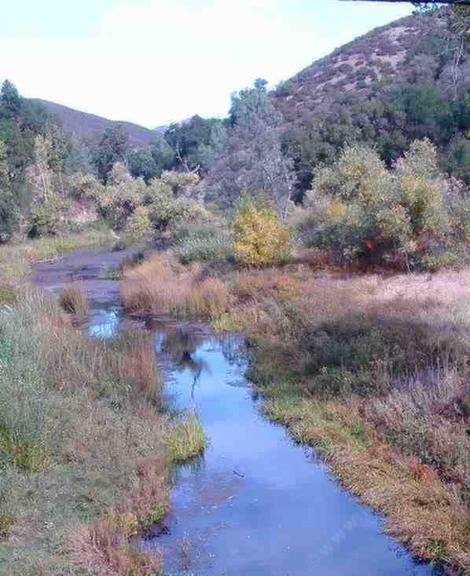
point(73, 299)
point(82, 446)
point(159, 286)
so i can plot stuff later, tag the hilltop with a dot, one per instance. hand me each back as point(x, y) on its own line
point(402, 82)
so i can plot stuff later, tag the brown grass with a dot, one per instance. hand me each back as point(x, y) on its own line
point(103, 547)
point(158, 286)
point(402, 443)
point(421, 510)
point(73, 299)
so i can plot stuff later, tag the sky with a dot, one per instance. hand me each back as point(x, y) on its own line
point(156, 61)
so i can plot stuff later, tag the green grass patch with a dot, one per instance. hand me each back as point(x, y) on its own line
point(186, 439)
point(80, 437)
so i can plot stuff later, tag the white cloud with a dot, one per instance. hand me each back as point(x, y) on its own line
point(161, 60)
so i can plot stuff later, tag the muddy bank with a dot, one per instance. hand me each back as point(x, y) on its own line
point(93, 269)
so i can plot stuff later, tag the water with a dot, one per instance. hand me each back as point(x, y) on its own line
point(255, 503)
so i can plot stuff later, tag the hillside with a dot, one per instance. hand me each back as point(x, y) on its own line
point(400, 51)
point(398, 83)
point(90, 127)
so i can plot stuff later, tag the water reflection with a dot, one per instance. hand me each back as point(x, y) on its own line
point(255, 503)
point(104, 323)
point(181, 346)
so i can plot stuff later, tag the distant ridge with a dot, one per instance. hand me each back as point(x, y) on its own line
point(90, 127)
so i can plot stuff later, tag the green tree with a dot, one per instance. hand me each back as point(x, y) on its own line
point(252, 158)
point(112, 148)
point(10, 100)
point(190, 140)
point(8, 209)
point(142, 164)
point(163, 155)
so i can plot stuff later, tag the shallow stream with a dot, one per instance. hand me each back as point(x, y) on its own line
point(255, 503)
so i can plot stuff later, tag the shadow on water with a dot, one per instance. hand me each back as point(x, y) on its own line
point(255, 503)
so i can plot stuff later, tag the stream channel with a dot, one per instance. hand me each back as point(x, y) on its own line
point(255, 504)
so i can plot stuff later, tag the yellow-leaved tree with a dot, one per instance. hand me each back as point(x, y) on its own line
point(260, 238)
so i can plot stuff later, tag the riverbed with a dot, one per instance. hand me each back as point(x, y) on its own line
point(255, 503)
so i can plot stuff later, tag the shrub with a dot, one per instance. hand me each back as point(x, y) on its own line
point(179, 181)
point(164, 210)
point(203, 243)
point(8, 215)
point(260, 238)
point(85, 187)
point(43, 221)
point(121, 196)
point(408, 216)
point(139, 225)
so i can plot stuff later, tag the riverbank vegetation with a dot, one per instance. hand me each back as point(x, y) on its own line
point(373, 373)
point(370, 370)
point(84, 445)
point(368, 365)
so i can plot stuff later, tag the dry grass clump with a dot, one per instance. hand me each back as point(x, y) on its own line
point(158, 286)
point(72, 299)
point(103, 549)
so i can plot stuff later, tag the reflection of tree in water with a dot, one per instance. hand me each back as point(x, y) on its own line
point(234, 349)
point(181, 345)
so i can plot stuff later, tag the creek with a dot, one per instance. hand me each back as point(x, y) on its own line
point(255, 504)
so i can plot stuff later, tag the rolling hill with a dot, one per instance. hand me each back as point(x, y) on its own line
point(89, 127)
point(404, 50)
